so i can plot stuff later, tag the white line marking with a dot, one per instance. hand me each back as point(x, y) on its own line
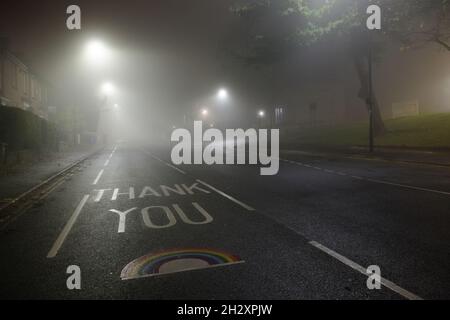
point(227, 196)
point(107, 162)
point(62, 236)
point(98, 177)
point(378, 181)
point(166, 163)
point(173, 167)
point(388, 284)
point(406, 186)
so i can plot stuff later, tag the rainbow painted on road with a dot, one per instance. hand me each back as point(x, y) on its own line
point(177, 260)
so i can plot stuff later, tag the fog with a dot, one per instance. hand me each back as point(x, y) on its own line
point(168, 59)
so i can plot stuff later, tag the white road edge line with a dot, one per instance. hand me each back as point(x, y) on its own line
point(378, 181)
point(62, 236)
point(388, 284)
point(227, 196)
point(98, 177)
point(406, 186)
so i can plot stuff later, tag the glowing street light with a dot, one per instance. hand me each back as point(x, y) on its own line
point(96, 52)
point(222, 94)
point(204, 112)
point(107, 88)
point(116, 106)
point(261, 113)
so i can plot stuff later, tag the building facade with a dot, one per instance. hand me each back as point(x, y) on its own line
point(20, 87)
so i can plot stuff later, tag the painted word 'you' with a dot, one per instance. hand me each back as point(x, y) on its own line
point(169, 214)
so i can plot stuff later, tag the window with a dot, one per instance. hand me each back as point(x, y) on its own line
point(279, 115)
point(25, 82)
point(14, 76)
point(33, 88)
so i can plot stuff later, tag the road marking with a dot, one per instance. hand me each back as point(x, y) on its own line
point(173, 167)
point(376, 159)
point(107, 162)
point(166, 163)
point(227, 196)
point(98, 177)
point(388, 284)
point(62, 236)
point(184, 270)
point(376, 180)
point(406, 186)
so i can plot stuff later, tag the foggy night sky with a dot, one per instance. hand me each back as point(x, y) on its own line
point(169, 57)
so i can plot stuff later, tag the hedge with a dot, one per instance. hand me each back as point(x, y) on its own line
point(22, 129)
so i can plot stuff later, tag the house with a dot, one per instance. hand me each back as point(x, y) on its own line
point(20, 87)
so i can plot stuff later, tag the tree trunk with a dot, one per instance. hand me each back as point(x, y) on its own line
point(363, 76)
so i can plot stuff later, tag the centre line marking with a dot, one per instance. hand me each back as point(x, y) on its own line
point(388, 284)
point(227, 196)
point(107, 162)
point(98, 177)
point(62, 236)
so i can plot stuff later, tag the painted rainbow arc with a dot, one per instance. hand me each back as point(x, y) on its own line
point(179, 260)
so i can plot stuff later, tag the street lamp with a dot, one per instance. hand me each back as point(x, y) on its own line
point(222, 94)
point(261, 115)
point(96, 52)
point(107, 88)
point(204, 112)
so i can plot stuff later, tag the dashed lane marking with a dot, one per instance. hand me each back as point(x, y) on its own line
point(98, 177)
point(388, 284)
point(369, 179)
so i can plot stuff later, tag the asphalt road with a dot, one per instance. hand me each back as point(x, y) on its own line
point(309, 232)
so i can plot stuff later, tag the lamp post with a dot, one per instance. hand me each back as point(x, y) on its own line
point(107, 89)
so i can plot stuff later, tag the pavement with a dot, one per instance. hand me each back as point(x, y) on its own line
point(225, 232)
point(25, 176)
